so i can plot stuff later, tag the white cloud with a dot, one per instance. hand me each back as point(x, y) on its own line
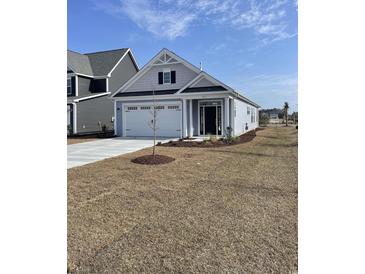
point(171, 19)
point(271, 80)
point(269, 90)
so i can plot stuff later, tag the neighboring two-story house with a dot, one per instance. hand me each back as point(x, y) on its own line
point(189, 102)
point(91, 78)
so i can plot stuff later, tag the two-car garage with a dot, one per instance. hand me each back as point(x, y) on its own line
point(138, 117)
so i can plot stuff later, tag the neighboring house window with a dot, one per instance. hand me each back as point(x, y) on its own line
point(69, 89)
point(167, 77)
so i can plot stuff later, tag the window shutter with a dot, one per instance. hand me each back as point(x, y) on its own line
point(173, 77)
point(160, 78)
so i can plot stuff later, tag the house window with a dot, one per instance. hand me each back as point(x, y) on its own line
point(159, 107)
point(248, 110)
point(69, 90)
point(145, 107)
point(173, 107)
point(167, 77)
point(132, 108)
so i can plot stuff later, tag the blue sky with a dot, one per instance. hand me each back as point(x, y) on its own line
point(251, 45)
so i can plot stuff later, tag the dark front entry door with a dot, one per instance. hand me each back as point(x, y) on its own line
point(210, 120)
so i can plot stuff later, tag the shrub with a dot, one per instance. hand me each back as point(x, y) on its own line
point(264, 120)
point(229, 138)
point(104, 128)
point(70, 130)
point(213, 138)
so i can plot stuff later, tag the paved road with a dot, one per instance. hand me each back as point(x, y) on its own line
point(89, 152)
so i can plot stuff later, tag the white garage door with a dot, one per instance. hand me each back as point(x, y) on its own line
point(138, 120)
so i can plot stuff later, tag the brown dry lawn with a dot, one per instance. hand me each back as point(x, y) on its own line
point(213, 210)
point(77, 140)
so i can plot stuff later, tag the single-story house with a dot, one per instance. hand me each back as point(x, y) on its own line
point(91, 78)
point(189, 102)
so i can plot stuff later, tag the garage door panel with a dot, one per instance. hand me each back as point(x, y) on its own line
point(138, 119)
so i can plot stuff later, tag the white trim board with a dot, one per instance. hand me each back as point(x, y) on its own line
point(90, 97)
point(129, 51)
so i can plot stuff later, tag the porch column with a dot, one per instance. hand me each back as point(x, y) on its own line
point(191, 129)
point(185, 119)
point(233, 109)
point(226, 115)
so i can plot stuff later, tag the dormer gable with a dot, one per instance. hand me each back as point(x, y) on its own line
point(165, 71)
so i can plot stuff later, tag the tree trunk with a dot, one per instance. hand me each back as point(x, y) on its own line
point(286, 117)
point(154, 135)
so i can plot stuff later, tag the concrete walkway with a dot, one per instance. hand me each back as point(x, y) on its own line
point(90, 152)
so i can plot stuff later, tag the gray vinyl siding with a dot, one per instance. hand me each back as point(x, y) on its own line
point(90, 112)
point(150, 80)
point(122, 73)
point(84, 85)
point(204, 83)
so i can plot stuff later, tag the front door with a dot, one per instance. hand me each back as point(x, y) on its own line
point(210, 119)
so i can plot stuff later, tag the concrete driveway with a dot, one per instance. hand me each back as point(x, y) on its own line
point(90, 152)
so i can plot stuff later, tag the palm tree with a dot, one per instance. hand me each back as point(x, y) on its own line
point(286, 107)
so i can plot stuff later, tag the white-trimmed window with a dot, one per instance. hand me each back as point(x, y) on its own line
point(173, 107)
point(248, 110)
point(166, 76)
point(132, 108)
point(145, 107)
point(69, 87)
point(159, 107)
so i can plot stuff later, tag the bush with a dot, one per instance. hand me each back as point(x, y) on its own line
point(213, 138)
point(70, 130)
point(264, 120)
point(229, 138)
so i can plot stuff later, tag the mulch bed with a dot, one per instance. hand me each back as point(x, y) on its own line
point(107, 134)
point(150, 160)
point(244, 138)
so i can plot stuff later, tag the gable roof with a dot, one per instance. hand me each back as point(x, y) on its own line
point(188, 88)
point(78, 63)
point(97, 63)
point(148, 66)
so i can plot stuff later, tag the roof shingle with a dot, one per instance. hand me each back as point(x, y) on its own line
point(96, 63)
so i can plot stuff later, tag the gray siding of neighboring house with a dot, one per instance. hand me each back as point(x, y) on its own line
point(87, 86)
point(90, 112)
point(84, 86)
point(122, 73)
